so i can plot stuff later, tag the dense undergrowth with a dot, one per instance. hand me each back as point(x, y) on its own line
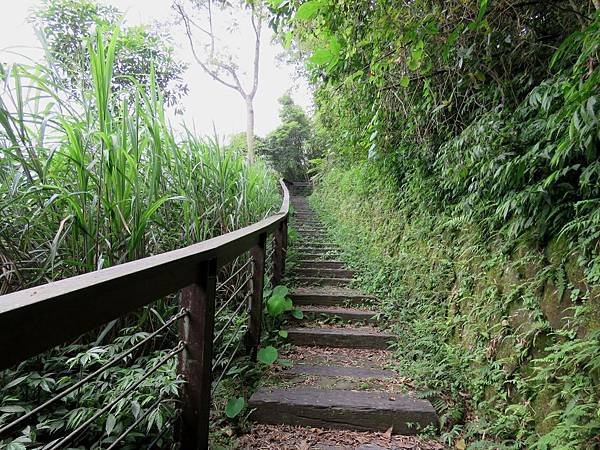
point(462, 174)
point(87, 182)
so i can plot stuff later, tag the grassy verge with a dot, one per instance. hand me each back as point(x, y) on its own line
point(501, 336)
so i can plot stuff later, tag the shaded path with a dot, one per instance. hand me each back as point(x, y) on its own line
point(338, 378)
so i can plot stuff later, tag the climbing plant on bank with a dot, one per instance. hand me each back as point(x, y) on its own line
point(463, 145)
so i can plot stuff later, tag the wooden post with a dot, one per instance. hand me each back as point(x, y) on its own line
point(279, 253)
point(256, 297)
point(195, 362)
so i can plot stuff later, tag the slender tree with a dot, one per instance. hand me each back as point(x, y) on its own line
point(214, 59)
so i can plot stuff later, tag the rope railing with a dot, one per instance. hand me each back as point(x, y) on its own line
point(215, 321)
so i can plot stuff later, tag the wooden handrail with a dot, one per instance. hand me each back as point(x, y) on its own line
point(37, 319)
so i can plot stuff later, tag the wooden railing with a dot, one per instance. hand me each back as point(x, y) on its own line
point(37, 319)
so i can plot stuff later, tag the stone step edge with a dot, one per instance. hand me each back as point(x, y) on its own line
point(342, 409)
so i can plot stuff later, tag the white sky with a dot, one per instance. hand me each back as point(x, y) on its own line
point(207, 102)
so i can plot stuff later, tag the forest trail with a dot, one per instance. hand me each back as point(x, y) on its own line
point(337, 379)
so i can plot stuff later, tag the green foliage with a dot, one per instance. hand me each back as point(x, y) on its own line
point(267, 355)
point(84, 187)
point(290, 146)
point(278, 302)
point(462, 171)
point(475, 315)
point(87, 184)
point(65, 25)
point(234, 407)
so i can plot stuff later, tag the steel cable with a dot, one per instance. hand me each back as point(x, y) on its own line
point(232, 297)
point(123, 394)
point(104, 368)
point(233, 316)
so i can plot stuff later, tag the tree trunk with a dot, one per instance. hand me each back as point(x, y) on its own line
point(250, 128)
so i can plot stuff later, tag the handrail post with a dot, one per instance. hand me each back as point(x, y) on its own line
point(257, 253)
point(195, 362)
point(280, 252)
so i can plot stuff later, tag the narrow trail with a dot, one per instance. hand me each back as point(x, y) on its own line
point(338, 378)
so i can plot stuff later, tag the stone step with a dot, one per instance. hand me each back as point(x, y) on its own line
point(317, 247)
point(316, 295)
point(342, 409)
point(310, 263)
point(318, 281)
point(340, 337)
point(323, 272)
point(322, 370)
point(347, 314)
point(318, 256)
point(298, 225)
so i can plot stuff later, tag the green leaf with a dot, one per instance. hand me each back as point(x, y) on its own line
point(276, 306)
point(275, 3)
point(12, 409)
point(297, 314)
point(285, 362)
point(308, 9)
point(321, 56)
point(405, 81)
point(15, 446)
point(267, 355)
point(328, 55)
point(111, 421)
point(234, 407)
point(15, 382)
point(283, 333)
point(280, 291)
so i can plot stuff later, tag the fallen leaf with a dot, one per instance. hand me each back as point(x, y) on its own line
point(388, 433)
point(393, 399)
point(460, 444)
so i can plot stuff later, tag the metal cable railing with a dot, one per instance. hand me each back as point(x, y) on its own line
point(221, 282)
point(62, 443)
point(25, 419)
point(231, 319)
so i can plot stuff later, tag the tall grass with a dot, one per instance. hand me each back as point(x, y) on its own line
point(86, 183)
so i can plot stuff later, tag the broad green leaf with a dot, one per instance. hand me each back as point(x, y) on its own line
point(321, 56)
point(298, 314)
point(280, 291)
point(12, 409)
point(327, 55)
point(15, 382)
point(111, 421)
point(276, 306)
point(234, 407)
point(267, 355)
point(308, 9)
point(15, 446)
point(404, 81)
point(283, 333)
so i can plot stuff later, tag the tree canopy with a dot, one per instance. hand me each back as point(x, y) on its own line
point(65, 27)
point(288, 147)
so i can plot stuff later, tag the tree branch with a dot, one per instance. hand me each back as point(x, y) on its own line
point(215, 76)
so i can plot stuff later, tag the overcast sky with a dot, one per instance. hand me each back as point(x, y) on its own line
point(208, 102)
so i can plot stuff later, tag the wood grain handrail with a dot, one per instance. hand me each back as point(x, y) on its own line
point(37, 319)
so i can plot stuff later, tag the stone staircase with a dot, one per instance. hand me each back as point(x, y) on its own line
point(355, 391)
